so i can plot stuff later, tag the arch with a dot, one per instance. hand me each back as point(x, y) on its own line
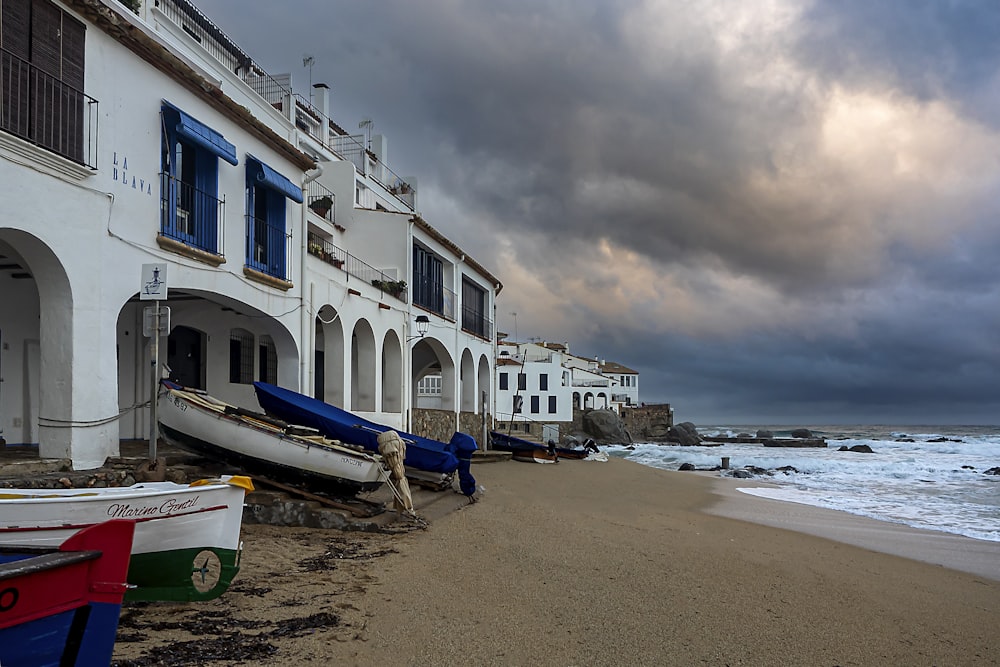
point(602, 401)
point(485, 386)
point(392, 373)
point(363, 364)
point(467, 382)
point(328, 357)
point(430, 357)
point(576, 401)
point(588, 401)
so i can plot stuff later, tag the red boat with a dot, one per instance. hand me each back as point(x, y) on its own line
point(61, 606)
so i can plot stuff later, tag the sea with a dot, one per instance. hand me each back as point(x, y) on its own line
point(929, 477)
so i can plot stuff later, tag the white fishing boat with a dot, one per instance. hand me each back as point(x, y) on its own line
point(261, 445)
point(187, 536)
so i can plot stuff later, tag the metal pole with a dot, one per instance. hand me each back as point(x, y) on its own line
point(154, 381)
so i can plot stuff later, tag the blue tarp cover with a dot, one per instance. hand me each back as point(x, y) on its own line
point(333, 422)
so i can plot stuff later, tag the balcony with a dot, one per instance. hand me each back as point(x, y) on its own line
point(475, 323)
point(191, 216)
point(268, 247)
point(431, 294)
point(41, 109)
point(356, 268)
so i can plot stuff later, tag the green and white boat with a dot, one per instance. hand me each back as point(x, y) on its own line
point(187, 536)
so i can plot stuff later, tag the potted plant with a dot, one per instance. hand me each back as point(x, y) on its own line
point(316, 249)
point(392, 287)
point(321, 205)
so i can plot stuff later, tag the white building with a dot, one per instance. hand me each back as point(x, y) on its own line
point(532, 385)
point(152, 139)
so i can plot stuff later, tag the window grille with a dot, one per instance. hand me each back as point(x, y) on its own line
point(240, 356)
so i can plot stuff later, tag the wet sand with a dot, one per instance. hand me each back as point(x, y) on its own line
point(582, 563)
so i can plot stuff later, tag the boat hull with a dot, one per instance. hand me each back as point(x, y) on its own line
point(534, 456)
point(509, 443)
point(60, 606)
point(201, 424)
point(187, 537)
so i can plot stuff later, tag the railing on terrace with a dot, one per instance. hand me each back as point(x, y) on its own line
point(356, 268)
point(275, 91)
point(591, 383)
point(191, 216)
point(40, 108)
point(474, 322)
point(322, 202)
point(268, 247)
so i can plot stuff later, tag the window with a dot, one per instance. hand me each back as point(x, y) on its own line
point(429, 385)
point(543, 382)
point(518, 402)
point(503, 381)
point(552, 405)
point(240, 356)
point(474, 318)
point(267, 360)
point(41, 76)
point(428, 280)
point(522, 381)
point(190, 209)
point(534, 405)
point(267, 243)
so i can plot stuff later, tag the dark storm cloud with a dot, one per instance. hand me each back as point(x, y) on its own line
point(711, 193)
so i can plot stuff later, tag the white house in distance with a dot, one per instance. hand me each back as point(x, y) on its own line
point(290, 252)
point(543, 383)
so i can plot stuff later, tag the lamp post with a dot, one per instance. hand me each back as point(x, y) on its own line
point(423, 324)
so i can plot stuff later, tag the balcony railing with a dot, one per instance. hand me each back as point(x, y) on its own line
point(322, 202)
point(475, 323)
point(431, 294)
point(268, 247)
point(356, 268)
point(49, 113)
point(191, 216)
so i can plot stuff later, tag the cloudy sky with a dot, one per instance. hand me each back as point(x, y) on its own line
point(777, 211)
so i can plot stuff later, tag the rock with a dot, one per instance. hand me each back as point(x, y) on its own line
point(606, 427)
point(905, 440)
point(765, 434)
point(861, 449)
point(802, 433)
point(743, 435)
point(151, 471)
point(992, 471)
point(787, 469)
point(684, 434)
point(686, 466)
point(742, 474)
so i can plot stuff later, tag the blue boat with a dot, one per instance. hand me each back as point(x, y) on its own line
point(61, 606)
point(333, 422)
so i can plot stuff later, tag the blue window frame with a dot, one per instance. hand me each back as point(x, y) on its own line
point(191, 211)
point(267, 245)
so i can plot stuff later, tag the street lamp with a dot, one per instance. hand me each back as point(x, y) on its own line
point(423, 323)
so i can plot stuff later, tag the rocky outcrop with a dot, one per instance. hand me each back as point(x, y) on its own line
point(765, 434)
point(803, 433)
point(605, 427)
point(861, 449)
point(684, 434)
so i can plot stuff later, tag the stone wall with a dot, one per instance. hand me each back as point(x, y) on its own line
point(648, 423)
point(440, 424)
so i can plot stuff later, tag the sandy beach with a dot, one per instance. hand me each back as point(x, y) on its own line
point(586, 563)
